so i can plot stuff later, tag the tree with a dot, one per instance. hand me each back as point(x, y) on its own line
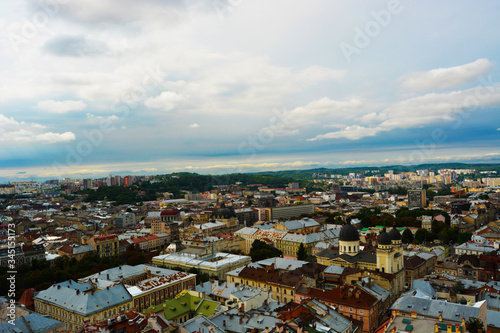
point(407, 236)
point(261, 250)
point(458, 288)
point(474, 324)
point(301, 252)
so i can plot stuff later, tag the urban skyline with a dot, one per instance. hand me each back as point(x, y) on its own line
point(237, 86)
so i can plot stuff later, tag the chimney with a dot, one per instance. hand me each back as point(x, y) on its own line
point(440, 317)
point(457, 328)
point(436, 327)
point(224, 323)
point(241, 320)
point(394, 329)
point(448, 328)
point(107, 276)
point(242, 308)
point(267, 329)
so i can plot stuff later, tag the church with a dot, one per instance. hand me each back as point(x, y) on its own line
point(386, 261)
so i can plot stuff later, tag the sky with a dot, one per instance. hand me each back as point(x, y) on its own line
point(99, 87)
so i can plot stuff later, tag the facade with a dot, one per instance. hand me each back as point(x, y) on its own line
point(350, 301)
point(22, 255)
point(287, 212)
point(106, 246)
point(247, 216)
point(125, 220)
point(417, 198)
point(290, 243)
point(77, 252)
point(73, 303)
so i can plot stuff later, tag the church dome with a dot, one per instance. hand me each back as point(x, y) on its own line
point(384, 238)
point(349, 233)
point(395, 234)
point(223, 212)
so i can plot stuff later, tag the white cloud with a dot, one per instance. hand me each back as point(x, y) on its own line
point(91, 119)
point(354, 132)
point(194, 125)
point(323, 111)
point(421, 111)
point(443, 78)
point(61, 106)
point(12, 130)
point(167, 101)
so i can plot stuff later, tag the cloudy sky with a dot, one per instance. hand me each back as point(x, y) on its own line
point(91, 88)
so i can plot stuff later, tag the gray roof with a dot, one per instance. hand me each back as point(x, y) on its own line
point(83, 249)
point(493, 301)
point(432, 308)
point(299, 224)
point(65, 295)
point(309, 238)
point(217, 288)
point(282, 263)
point(424, 286)
point(116, 274)
point(251, 320)
point(328, 317)
point(334, 269)
point(362, 256)
point(201, 323)
point(493, 318)
point(379, 292)
point(37, 323)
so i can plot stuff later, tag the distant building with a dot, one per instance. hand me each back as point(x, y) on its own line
point(287, 212)
point(417, 199)
point(106, 246)
point(125, 220)
point(77, 252)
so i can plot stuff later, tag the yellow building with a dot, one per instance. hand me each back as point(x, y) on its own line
point(105, 246)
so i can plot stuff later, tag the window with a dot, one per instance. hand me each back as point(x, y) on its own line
point(341, 307)
point(360, 312)
point(350, 310)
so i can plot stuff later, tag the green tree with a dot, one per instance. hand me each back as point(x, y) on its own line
point(474, 324)
point(261, 250)
point(407, 236)
point(302, 252)
point(458, 288)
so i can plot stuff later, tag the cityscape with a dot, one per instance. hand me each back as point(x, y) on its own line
point(194, 166)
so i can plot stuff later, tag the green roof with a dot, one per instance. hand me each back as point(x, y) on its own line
point(185, 303)
point(409, 328)
point(379, 226)
point(406, 321)
point(365, 229)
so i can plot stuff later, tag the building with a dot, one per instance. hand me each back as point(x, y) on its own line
point(75, 251)
point(247, 216)
point(291, 242)
point(417, 198)
point(73, 303)
point(353, 302)
point(185, 306)
point(33, 322)
point(22, 255)
point(125, 220)
point(106, 246)
point(216, 265)
point(282, 280)
point(288, 212)
point(386, 259)
point(148, 285)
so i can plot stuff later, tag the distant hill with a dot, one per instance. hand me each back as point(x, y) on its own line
point(308, 174)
